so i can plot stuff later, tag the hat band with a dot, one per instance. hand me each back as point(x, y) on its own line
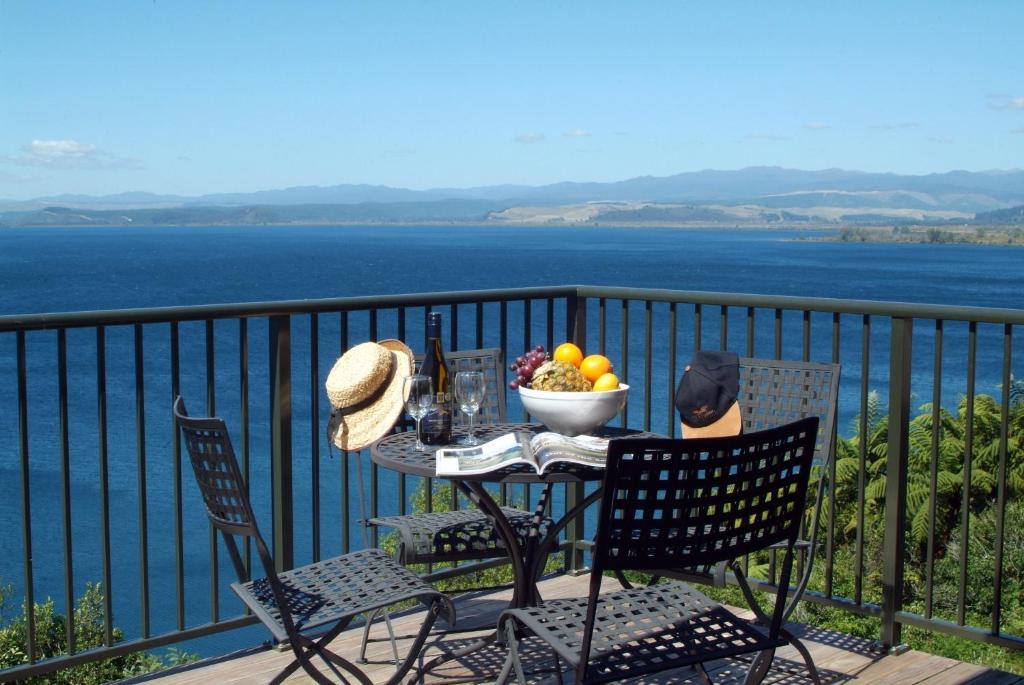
point(338, 414)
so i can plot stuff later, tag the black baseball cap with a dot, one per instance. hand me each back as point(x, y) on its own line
point(706, 396)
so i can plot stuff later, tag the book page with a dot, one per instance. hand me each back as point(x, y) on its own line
point(488, 456)
point(583, 449)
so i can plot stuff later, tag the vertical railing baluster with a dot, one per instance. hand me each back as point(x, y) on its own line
point(778, 333)
point(900, 356)
point(314, 431)
point(179, 544)
point(723, 327)
point(346, 502)
point(670, 383)
point(282, 512)
point(933, 476)
point(576, 331)
point(807, 336)
point(750, 331)
point(624, 346)
point(480, 325)
point(104, 474)
point(965, 503)
point(1001, 486)
point(648, 353)
point(65, 484)
point(698, 334)
point(26, 499)
point(373, 325)
point(211, 410)
point(143, 514)
point(550, 323)
point(830, 541)
point(862, 440)
point(243, 399)
point(602, 325)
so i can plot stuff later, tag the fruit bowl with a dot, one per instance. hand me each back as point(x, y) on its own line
point(574, 413)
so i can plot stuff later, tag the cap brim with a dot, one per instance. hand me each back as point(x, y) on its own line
point(368, 425)
point(729, 425)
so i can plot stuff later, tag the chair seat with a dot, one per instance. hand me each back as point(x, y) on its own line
point(643, 629)
point(332, 589)
point(455, 535)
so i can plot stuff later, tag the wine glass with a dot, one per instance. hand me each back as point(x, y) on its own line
point(469, 393)
point(418, 392)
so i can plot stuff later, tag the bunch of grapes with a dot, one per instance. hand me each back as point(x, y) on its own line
point(525, 365)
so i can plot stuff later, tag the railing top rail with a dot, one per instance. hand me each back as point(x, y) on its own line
point(259, 309)
point(814, 304)
point(25, 322)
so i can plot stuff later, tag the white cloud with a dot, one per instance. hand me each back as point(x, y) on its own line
point(901, 125)
point(527, 138)
point(68, 154)
point(1006, 102)
point(577, 133)
point(939, 140)
point(816, 126)
point(1019, 129)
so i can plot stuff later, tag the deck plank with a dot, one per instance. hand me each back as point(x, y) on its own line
point(840, 658)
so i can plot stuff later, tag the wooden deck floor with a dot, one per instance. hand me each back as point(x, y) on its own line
point(840, 658)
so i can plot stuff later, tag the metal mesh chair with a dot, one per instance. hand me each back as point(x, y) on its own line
point(677, 503)
point(310, 605)
point(773, 393)
point(466, 534)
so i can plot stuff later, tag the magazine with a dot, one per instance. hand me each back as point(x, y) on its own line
point(538, 451)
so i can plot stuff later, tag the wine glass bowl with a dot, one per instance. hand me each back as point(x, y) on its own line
point(418, 392)
point(469, 393)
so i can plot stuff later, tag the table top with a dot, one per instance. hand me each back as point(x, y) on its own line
point(398, 453)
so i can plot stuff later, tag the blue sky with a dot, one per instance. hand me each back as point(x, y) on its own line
point(198, 97)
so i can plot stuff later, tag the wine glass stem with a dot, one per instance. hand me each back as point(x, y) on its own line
point(419, 443)
point(471, 436)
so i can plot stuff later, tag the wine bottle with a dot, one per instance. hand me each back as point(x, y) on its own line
point(436, 426)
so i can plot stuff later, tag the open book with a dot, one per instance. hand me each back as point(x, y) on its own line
point(538, 451)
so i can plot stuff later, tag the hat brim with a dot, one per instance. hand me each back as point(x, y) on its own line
point(369, 424)
point(729, 425)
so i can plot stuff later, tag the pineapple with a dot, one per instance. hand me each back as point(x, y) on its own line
point(560, 377)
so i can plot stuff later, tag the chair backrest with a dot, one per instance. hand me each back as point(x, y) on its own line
point(491, 361)
point(220, 481)
point(774, 393)
point(686, 503)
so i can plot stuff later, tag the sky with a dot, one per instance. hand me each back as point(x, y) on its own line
point(191, 97)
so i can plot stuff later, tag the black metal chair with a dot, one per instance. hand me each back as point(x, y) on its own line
point(773, 393)
point(464, 534)
point(310, 605)
point(677, 504)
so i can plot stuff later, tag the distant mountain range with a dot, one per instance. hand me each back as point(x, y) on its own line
point(751, 195)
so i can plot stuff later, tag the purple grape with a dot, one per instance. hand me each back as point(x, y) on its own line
point(528, 373)
point(520, 360)
point(539, 348)
point(536, 362)
point(514, 383)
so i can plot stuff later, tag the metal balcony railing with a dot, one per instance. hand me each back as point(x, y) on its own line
point(95, 492)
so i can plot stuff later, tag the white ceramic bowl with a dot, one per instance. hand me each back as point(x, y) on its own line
point(574, 413)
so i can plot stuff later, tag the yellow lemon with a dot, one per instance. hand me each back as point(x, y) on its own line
point(607, 381)
point(567, 352)
point(595, 366)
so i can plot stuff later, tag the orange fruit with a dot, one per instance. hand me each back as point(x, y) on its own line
point(595, 366)
point(567, 352)
point(607, 381)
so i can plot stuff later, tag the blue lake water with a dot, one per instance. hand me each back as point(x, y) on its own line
point(60, 270)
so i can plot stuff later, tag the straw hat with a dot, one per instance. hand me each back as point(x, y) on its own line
point(706, 396)
point(365, 390)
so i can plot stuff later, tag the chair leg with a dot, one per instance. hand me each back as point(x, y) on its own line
point(703, 674)
point(759, 667)
point(366, 636)
point(512, 660)
point(436, 607)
